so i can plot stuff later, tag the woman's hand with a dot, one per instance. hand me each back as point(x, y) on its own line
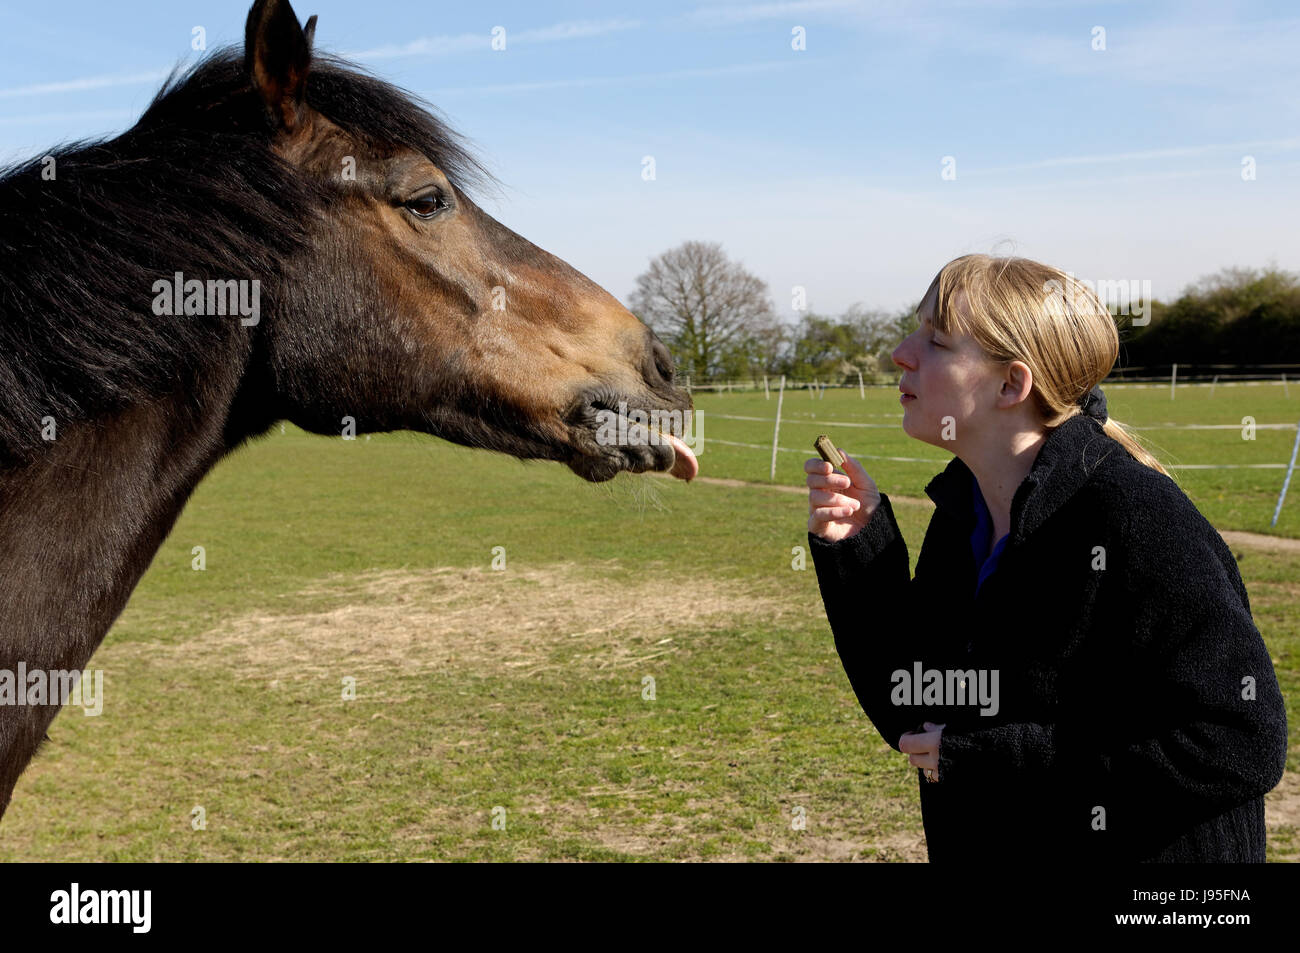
point(839, 505)
point(922, 748)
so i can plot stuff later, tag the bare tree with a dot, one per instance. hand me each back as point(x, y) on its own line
point(871, 331)
point(702, 304)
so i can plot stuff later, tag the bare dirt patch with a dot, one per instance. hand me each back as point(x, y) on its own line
point(901, 848)
point(512, 621)
point(640, 828)
point(1280, 544)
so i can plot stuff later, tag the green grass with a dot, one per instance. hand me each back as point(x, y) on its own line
point(522, 689)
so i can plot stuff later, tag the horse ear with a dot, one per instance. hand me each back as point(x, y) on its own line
point(277, 55)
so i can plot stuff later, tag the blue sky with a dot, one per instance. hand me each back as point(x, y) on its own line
point(817, 167)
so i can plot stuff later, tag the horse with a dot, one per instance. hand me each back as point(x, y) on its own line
point(281, 236)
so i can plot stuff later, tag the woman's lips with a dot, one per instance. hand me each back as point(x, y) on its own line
point(906, 398)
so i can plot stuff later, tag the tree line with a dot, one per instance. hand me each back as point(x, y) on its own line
point(718, 321)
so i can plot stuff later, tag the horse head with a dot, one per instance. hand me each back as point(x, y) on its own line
point(409, 307)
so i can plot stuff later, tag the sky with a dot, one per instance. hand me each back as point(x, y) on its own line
point(1119, 141)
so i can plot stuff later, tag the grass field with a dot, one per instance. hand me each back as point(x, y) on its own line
point(871, 429)
point(522, 689)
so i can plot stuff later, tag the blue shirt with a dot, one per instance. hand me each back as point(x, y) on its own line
point(980, 536)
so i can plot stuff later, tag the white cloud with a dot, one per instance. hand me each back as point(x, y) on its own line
point(469, 42)
point(585, 81)
point(92, 115)
point(85, 83)
point(1281, 145)
point(424, 46)
point(718, 15)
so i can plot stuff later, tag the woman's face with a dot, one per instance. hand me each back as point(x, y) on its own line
point(953, 382)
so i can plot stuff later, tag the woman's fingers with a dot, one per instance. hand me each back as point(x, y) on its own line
point(827, 515)
point(922, 747)
point(821, 473)
point(815, 465)
point(928, 763)
point(827, 498)
point(835, 480)
point(855, 471)
point(929, 759)
point(835, 504)
point(824, 503)
point(918, 742)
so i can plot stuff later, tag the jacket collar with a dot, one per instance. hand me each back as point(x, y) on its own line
point(1069, 455)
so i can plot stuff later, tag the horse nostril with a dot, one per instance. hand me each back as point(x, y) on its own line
point(663, 361)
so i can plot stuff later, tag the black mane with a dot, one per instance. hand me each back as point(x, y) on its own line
point(191, 187)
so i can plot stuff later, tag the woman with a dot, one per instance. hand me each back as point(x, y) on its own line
point(1073, 669)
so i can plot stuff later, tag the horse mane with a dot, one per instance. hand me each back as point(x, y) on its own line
point(193, 187)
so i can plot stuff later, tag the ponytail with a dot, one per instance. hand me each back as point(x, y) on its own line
point(1129, 441)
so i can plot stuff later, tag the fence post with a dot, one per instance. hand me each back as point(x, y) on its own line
point(766, 394)
point(1287, 481)
point(1212, 383)
point(776, 431)
point(1173, 380)
point(861, 389)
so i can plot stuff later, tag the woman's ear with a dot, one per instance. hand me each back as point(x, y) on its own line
point(277, 56)
point(1021, 383)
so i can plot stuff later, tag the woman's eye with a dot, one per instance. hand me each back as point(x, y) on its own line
point(935, 343)
point(427, 206)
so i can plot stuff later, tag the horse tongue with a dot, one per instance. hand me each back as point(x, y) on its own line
point(685, 466)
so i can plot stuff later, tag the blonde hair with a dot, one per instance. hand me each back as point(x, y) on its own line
point(1022, 310)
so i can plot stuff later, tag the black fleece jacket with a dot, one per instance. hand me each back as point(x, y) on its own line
point(1138, 714)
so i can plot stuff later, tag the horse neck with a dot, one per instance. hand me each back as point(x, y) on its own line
point(80, 524)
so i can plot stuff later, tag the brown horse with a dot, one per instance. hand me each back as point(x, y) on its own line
point(279, 237)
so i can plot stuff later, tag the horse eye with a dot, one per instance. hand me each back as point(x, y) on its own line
point(427, 206)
